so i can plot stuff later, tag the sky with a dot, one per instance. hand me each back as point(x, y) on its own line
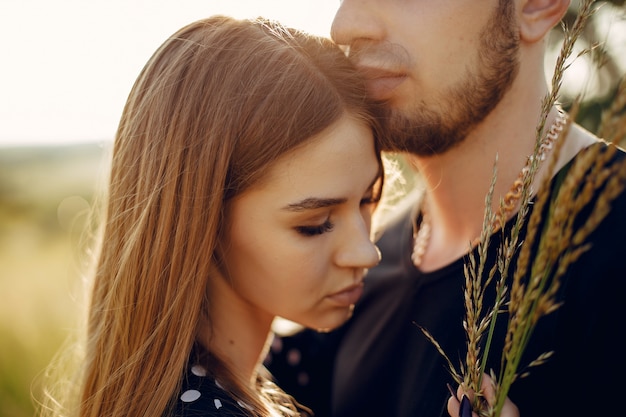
point(66, 66)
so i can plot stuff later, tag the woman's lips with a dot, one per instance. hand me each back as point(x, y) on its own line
point(347, 296)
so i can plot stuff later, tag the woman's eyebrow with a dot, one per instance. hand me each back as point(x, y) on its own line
point(313, 203)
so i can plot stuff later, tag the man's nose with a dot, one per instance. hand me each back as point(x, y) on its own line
point(357, 20)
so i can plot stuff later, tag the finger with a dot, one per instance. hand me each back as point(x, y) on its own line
point(509, 409)
point(464, 391)
point(453, 406)
point(461, 408)
point(487, 388)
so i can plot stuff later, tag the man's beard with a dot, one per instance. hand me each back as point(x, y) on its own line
point(434, 128)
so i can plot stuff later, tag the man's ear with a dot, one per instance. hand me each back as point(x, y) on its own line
point(538, 17)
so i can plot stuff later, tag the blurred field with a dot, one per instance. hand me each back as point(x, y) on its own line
point(42, 189)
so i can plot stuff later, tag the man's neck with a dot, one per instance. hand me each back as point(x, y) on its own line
point(458, 181)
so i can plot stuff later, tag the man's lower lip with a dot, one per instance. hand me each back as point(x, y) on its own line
point(382, 88)
point(347, 298)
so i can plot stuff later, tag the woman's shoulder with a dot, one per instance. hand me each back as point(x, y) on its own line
point(202, 395)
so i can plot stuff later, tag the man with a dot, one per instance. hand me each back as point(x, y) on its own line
point(463, 81)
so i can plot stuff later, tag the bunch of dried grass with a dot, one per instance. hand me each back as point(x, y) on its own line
point(530, 293)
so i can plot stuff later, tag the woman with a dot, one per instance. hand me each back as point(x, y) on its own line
point(243, 178)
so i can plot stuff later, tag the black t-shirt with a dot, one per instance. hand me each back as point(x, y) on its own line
point(381, 364)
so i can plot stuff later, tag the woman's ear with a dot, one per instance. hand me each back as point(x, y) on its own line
point(538, 17)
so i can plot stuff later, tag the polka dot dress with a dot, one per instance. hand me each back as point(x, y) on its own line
point(202, 395)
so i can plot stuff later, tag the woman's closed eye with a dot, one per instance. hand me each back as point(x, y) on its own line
point(315, 230)
point(366, 201)
point(373, 195)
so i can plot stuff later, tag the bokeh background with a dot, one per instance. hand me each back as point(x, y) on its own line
point(67, 67)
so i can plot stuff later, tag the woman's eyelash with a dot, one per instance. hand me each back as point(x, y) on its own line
point(370, 200)
point(327, 226)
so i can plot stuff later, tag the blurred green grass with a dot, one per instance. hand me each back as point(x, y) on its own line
point(41, 190)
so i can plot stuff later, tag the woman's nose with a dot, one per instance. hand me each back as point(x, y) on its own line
point(358, 250)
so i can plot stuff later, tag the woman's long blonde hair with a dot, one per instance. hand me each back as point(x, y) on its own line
point(214, 106)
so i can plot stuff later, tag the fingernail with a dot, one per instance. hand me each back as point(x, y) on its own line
point(465, 409)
